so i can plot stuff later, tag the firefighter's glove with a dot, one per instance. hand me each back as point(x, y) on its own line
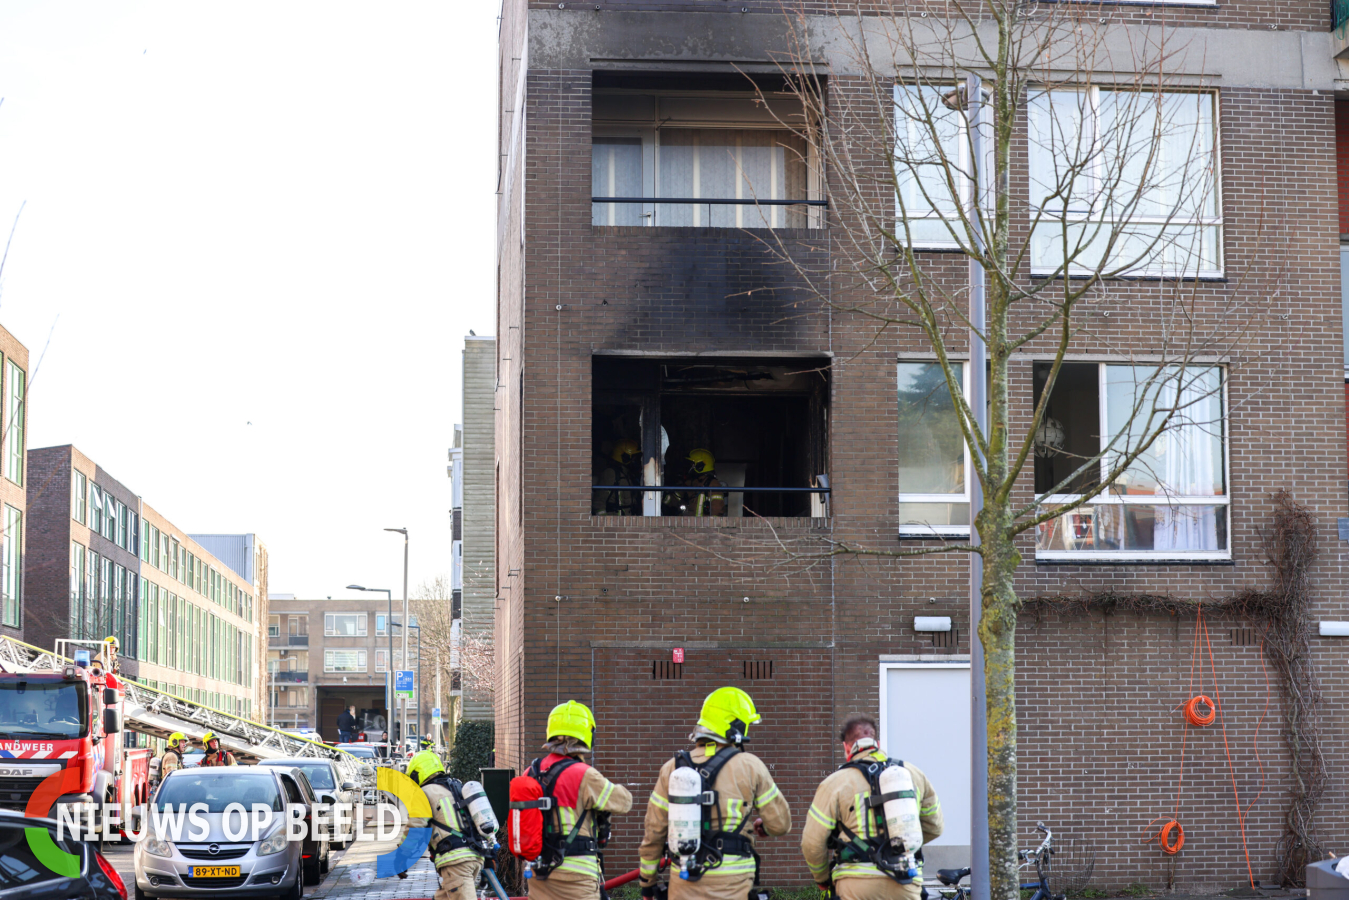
point(649, 892)
point(826, 891)
point(759, 829)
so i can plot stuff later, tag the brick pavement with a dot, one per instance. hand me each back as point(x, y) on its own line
point(420, 883)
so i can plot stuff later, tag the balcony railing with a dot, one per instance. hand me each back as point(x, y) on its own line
point(291, 677)
point(288, 640)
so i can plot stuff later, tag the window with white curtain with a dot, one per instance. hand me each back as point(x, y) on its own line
point(344, 660)
point(11, 568)
point(1170, 503)
point(15, 442)
point(79, 490)
point(934, 469)
point(1126, 182)
point(344, 624)
point(932, 165)
point(694, 147)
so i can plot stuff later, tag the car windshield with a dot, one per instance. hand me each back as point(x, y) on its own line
point(217, 791)
point(50, 709)
point(362, 752)
point(320, 777)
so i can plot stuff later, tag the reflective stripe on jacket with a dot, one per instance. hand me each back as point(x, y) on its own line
point(579, 788)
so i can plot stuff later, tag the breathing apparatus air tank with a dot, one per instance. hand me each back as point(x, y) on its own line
point(901, 814)
point(475, 798)
point(686, 816)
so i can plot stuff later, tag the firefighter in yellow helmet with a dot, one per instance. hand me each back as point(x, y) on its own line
point(623, 466)
point(456, 846)
point(215, 754)
point(172, 760)
point(106, 658)
point(747, 803)
point(848, 844)
point(702, 473)
point(577, 827)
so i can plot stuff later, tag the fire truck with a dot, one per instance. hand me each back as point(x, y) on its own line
point(70, 713)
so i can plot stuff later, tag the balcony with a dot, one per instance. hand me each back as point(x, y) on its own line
point(288, 640)
point(291, 677)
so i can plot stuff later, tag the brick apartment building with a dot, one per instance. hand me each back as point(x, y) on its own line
point(670, 326)
point(326, 655)
point(13, 480)
point(103, 562)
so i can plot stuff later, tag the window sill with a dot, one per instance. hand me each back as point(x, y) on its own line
point(934, 536)
point(1212, 277)
point(704, 230)
point(756, 523)
point(1124, 560)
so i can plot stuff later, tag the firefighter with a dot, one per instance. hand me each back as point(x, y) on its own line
point(623, 467)
point(215, 754)
point(455, 846)
point(424, 757)
point(839, 848)
point(172, 759)
point(702, 473)
point(106, 658)
point(583, 801)
point(725, 866)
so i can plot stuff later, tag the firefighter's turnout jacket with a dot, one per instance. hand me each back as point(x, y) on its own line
point(838, 799)
point(218, 758)
point(457, 867)
point(579, 788)
point(171, 761)
point(743, 786)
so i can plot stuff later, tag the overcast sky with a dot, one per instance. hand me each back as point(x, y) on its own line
point(255, 236)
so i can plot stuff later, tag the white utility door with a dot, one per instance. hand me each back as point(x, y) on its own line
point(925, 720)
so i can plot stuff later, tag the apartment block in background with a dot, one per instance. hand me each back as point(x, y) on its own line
point(325, 655)
point(13, 480)
point(103, 562)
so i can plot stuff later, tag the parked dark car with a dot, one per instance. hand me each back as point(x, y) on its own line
point(23, 875)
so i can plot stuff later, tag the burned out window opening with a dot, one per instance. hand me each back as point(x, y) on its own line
point(717, 140)
point(694, 426)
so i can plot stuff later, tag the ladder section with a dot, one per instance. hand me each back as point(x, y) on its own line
point(159, 714)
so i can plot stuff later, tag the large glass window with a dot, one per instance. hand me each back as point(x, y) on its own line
point(1172, 501)
point(344, 660)
point(15, 381)
point(11, 569)
point(109, 516)
point(701, 145)
point(931, 164)
point(1125, 181)
point(79, 496)
point(345, 624)
point(95, 509)
point(934, 472)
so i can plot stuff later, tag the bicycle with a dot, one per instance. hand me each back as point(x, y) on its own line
point(1041, 857)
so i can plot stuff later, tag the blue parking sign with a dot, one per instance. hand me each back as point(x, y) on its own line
point(402, 682)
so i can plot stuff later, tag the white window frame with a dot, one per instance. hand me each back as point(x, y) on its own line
point(330, 624)
point(963, 161)
point(1094, 105)
point(79, 508)
point(926, 531)
point(1108, 499)
point(361, 660)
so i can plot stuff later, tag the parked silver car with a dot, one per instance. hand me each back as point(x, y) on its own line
point(219, 856)
point(329, 787)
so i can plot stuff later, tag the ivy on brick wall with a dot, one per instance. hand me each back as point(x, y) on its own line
point(1282, 616)
point(473, 744)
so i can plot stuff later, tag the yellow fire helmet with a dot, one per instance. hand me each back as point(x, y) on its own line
point(424, 766)
point(116, 644)
point(729, 712)
point(703, 461)
point(176, 738)
point(208, 737)
point(572, 719)
point(625, 450)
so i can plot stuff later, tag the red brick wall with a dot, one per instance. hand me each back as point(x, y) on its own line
point(1099, 738)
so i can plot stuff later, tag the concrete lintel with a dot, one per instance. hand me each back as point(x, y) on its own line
point(702, 41)
point(710, 645)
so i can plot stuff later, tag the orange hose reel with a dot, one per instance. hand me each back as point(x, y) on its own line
point(1195, 717)
point(1170, 837)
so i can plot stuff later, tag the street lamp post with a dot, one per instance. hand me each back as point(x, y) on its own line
point(417, 692)
point(388, 670)
point(404, 532)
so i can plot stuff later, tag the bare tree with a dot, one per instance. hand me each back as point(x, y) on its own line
point(1028, 148)
point(470, 656)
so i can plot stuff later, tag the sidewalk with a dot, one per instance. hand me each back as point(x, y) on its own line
point(421, 883)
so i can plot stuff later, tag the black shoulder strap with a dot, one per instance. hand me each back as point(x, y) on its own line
point(549, 779)
point(710, 769)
